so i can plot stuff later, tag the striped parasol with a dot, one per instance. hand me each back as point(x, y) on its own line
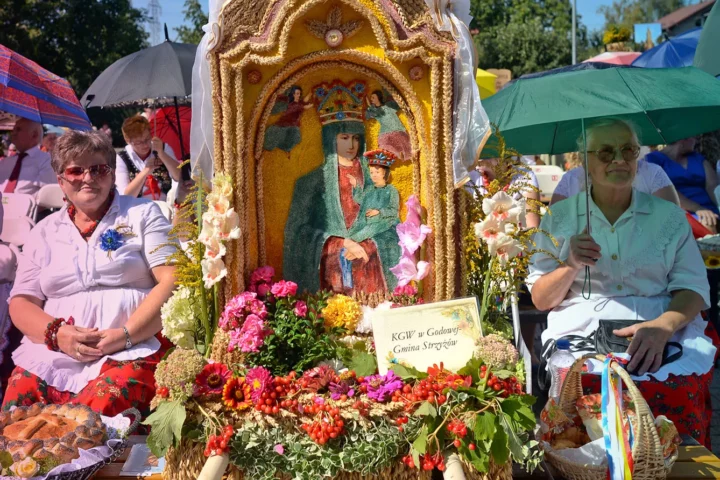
point(30, 91)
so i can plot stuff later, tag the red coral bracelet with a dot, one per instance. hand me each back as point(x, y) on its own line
point(52, 330)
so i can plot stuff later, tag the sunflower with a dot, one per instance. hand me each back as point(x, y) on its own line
point(712, 262)
point(237, 394)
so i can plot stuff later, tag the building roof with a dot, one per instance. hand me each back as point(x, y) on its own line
point(681, 14)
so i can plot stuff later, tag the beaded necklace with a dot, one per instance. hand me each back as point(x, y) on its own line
point(87, 232)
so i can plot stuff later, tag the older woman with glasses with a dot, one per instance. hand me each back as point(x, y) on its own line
point(644, 266)
point(89, 286)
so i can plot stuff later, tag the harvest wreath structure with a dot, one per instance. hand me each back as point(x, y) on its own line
point(342, 136)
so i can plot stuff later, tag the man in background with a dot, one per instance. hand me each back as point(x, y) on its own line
point(29, 170)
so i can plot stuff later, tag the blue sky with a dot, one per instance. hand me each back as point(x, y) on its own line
point(172, 12)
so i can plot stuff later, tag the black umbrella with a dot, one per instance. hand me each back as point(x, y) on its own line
point(155, 76)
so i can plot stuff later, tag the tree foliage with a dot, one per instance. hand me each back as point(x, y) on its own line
point(76, 39)
point(629, 12)
point(525, 36)
point(195, 16)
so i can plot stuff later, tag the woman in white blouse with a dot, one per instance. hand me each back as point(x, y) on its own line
point(88, 290)
point(650, 178)
point(644, 265)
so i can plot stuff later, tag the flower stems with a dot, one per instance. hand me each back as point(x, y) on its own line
point(486, 287)
point(205, 315)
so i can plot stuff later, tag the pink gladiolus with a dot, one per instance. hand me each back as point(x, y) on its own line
point(412, 236)
point(406, 271)
point(413, 211)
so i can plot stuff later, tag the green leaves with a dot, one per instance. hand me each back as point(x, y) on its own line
point(426, 409)
point(420, 443)
point(362, 363)
point(499, 446)
point(472, 368)
point(296, 343)
point(484, 426)
point(407, 373)
point(5, 459)
point(166, 424)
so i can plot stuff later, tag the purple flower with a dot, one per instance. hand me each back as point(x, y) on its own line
point(381, 387)
point(339, 389)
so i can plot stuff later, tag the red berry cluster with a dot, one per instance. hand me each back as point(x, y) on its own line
point(328, 427)
point(427, 461)
point(505, 387)
point(163, 392)
point(400, 421)
point(363, 408)
point(219, 444)
point(278, 396)
point(424, 390)
point(457, 428)
point(430, 462)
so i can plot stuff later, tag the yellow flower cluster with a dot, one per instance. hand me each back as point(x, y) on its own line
point(342, 312)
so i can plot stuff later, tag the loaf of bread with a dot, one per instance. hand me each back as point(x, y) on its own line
point(50, 431)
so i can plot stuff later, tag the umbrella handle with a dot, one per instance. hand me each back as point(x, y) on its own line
point(586, 282)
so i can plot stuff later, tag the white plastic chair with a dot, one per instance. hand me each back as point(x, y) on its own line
point(165, 209)
point(18, 205)
point(15, 230)
point(548, 177)
point(50, 196)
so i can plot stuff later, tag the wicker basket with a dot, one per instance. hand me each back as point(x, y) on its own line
point(647, 450)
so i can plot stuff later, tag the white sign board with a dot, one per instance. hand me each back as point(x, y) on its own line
point(423, 335)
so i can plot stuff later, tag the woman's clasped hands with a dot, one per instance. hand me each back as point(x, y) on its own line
point(80, 343)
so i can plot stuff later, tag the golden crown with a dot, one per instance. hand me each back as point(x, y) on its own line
point(340, 102)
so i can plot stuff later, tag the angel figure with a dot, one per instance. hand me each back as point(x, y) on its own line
point(393, 137)
point(285, 132)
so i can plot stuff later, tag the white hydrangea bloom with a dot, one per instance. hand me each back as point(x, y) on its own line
point(179, 316)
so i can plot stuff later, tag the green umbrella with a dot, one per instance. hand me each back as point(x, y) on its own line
point(546, 113)
point(706, 55)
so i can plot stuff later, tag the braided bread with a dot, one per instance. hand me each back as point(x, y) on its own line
point(50, 431)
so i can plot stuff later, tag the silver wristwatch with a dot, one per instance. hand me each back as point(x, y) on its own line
point(128, 342)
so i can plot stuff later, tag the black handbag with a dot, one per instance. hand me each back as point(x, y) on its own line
point(602, 341)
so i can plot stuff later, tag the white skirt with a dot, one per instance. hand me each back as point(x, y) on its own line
point(581, 317)
point(104, 308)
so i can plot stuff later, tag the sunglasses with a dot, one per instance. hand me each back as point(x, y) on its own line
point(628, 153)
point(77, 174)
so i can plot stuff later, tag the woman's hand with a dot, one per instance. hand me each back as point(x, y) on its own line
point(647, 345)
point(707, 217)
point(583, 251)
point(352, 180)
point(111, 341)
point(79, 343)
point(372, 213)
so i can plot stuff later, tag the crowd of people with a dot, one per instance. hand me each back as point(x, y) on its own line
point(88, 310)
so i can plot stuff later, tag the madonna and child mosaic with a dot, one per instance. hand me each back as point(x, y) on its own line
point(344, 213)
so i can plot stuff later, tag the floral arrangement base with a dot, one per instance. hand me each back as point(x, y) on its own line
point(186, 461)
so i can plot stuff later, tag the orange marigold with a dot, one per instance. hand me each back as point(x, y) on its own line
point(237, 394)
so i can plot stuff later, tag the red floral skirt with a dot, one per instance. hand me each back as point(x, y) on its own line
point(120, 385)
point(684, 399)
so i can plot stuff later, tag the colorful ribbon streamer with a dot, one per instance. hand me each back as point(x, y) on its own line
point(618, 441)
